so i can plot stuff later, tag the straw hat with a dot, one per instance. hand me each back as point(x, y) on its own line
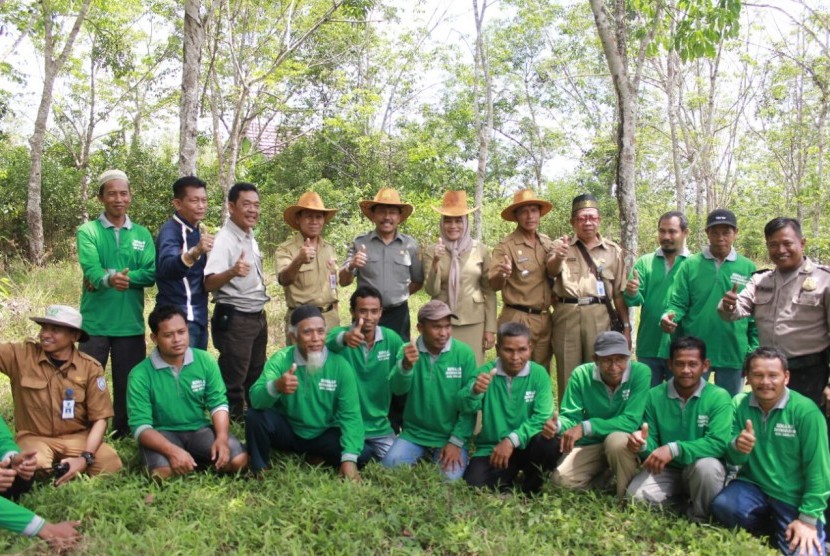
point(386, 196)
point(63, 315)
point(522, 198)
point(454, 203)
point(308, 201)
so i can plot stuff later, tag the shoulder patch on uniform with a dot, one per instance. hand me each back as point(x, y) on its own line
point(762, 271)
point(102, 383)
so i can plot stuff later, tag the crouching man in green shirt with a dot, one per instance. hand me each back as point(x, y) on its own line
point(603, 402)
point(169, 397)
point(433, 372)
point(515, 398)
point(306, 401)
point(686, 427)
point(780, 442)
point(372, 351)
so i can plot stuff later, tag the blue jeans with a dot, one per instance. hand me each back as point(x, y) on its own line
point(375, 448)
point(404, 452)
point(730, 379)
point(198, 335)
point(660, 371)
point(742, 504)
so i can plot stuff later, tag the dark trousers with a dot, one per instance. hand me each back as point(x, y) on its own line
point(268, 430)
point(397, 318)
point(536, 461)
point(19, 486)
point(241, 341)
point(126, 353)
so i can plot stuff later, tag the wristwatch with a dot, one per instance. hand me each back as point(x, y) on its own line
point(89, 458)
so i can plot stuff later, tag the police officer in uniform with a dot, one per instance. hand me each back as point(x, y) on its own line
point(579, 297)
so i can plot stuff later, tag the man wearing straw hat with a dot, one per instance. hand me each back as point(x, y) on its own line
point(518, 270)
point(306, 263)
point(590, 274)
point(61, 402)
point(118, 260)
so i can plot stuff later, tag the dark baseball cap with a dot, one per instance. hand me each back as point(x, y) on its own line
point(304, 312)
point(611, 343)
point(721, 216)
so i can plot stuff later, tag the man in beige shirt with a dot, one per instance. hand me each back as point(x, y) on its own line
point(306, 263)
point(579, 295)
point(518, 270)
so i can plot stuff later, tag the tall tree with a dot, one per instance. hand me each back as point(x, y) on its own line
point(193, 39)
point(482, 108)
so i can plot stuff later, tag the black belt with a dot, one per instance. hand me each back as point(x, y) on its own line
point(581, 300)
point(398, 306)
point(810, 360)
point(247, 314)
point(528, 310)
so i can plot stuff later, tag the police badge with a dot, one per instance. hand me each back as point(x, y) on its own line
point(809, 284)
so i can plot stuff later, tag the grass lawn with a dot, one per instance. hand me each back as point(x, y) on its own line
point(298, 509)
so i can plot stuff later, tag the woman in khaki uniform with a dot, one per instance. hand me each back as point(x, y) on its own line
point(456, 270)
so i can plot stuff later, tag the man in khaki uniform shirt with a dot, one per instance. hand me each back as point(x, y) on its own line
point(580, 313)
point(518, 269)
point(61, 402)
point(306, 263)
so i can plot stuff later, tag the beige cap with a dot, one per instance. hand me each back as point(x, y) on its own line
point(63, 315)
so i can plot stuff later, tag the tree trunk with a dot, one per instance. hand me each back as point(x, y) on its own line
point(189, 106)
point(484, 122)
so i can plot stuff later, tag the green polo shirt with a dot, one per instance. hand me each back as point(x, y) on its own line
point(600, 411)
point(790, 460)
point(160, 397)
point(18, 519)
point(700, 427)
point(432, 416)
point(373, 368)
point(512, 407)
point(324, 399)
point(8, 446)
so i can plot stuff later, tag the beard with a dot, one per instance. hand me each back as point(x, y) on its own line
point(314, 361)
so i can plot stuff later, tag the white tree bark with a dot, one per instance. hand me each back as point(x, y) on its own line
point(482, 84)
point(194, 36)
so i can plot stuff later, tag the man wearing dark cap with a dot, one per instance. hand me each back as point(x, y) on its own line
point(604, 401)
point(589, 272)
point(182, 246)
point(61, 402)
point(306, 263)
point(306, 401)
point(698, 288)
point(432, 372)
point(517, 269)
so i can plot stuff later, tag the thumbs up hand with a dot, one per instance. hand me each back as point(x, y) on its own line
point(308, 253)
point(359, 258)
point(637, 439)
point(667, 322)
point(730, 298)
point(560, 248)
point(120, 280)
point(288, 383)
point(633, 285)
point(483, 380)
point(746, 440)
point(410, 355)
point(242, 267)
point(440, 251)
point(354, 337)
point(551, 426)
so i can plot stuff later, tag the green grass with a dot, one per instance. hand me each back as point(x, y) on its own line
point(298, 509)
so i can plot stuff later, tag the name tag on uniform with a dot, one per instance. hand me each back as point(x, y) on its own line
point(600, 288)
point(68, 409)
point(332, 281)
point(522, 260)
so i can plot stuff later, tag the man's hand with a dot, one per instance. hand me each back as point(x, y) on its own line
point(205, 244)
point(825, 400)
point(730, 298)
point(348, 470)
point(505, 267)
point(667, 323)
point(803, 538)
point(76, 465)
point(25, 464)
point(7, 474)
point(181, 462)
point(410, 355)
point(220, 452)
point(308, 252)
point(120, 280)
point(242, 267)
point(354, 337)
point(570, 438)
point(633, 285)
point(658, 459)
point(551, 426)
point(88, 285)
point(288, 382)
point(359, 259)
point(488, 341)
point(483, 380)
point(638, 439)
point(746, 440)
point(450, 457)
point(500, 458)
point(440, 251)
point(60, 536)
point(560, 249)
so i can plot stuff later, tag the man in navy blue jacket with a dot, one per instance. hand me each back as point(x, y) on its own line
point(180, 257)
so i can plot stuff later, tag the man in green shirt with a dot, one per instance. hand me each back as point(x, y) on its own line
point(603, 402)
point(433, 372)
point(306, 401)
point(372, 351)
point(780, 442)
point(698, 288)
point(648, 287)
point(515, 398)
point(686, 427)
point(169, 397)
point(118, 261)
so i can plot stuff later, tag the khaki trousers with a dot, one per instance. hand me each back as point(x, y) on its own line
point(51, 450)
point(540, 332)
point(586, 466)
point(575, 329)
point(473, 336)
